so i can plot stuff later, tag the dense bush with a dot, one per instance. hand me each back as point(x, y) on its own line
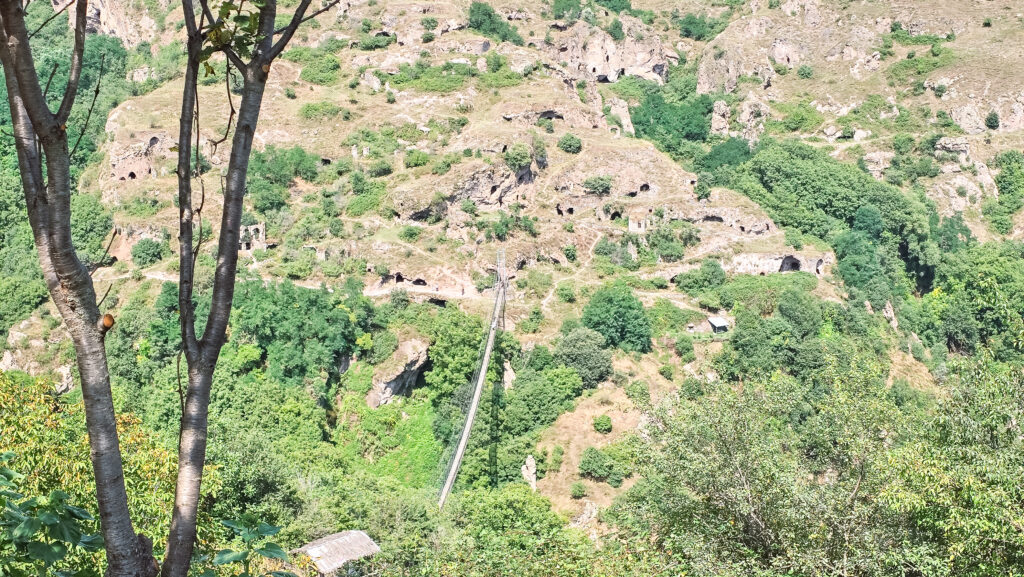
point(570, 143)
point(147, 252)
point(583, 351)
point(615, 313)
point(518, 157)
point(992, 120)
point(600, 185)
point(483, 19)
point(322, 111)
point(415, 158)
point(701, 27)
point(709, 276)
point(603, 424)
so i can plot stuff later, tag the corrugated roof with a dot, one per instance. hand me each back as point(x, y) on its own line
point(330, 553)
point(718, 322)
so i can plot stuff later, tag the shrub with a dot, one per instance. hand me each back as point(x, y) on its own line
point(289, 93)
point(410, 233)
point(939, 90)
point(547, 124)
point(600, 185)
point(570, 252)
point(389, 96)
point(570, 143)
point(701, 27)
point(583, 351)
point(427, 37)
point(594, 464)
point(638, 392)
point(666, 371)
point(518, 156)
point(414, 158)
point(992, 120)
point(805, 72)
point(319, 110)
point(379, 168)
point(684, 347)
point(603, 424)
point(986, 23)
point(565, 292)
point(322, 70)
point(615, 30)
point(147, 252)
point(616, 313)
point(565, 9)
point(483, 19)
point(428, 23)
point(368, 42)
point(578, 490)
point(468, 207)
point(710, 275)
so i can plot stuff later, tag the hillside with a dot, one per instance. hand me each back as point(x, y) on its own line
point(840, 181)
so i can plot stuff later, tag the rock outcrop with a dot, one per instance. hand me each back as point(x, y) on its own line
point(720, 118)
point(596, 55)
point(878, 162)
point(398, 375)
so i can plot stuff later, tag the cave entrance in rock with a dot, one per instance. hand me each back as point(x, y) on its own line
point(789, 264)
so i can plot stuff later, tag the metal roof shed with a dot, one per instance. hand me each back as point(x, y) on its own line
point(718, 324)
point(330, 553)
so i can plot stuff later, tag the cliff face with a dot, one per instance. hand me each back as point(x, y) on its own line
point(129, 20)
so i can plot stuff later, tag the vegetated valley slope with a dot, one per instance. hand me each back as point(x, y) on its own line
point(841, 182)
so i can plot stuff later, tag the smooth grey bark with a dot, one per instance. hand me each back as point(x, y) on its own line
point(41, 140)
point(201, 353)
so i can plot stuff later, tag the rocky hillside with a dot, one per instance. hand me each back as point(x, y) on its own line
point(716, 157)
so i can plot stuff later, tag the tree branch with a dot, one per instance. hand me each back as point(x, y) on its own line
point(77, 54)
point(297, 19)
point(92, 106)
point(56, 13)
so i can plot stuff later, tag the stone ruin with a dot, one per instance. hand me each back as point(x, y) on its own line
point(253, 237)
point(137, 160)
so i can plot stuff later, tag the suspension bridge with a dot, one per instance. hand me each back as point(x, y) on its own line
point(496, 324)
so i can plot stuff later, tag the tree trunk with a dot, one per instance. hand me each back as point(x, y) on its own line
point(203, 359)
point(41, 141)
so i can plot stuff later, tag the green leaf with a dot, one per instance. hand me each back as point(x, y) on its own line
point(273, 551)
point(282, 574)
point(78, 513)
point(26, 529)
point(65, 532)
point(236, 525)
point(266, 530)
point(91, 542)
point(48, 553)
point(226, 556)
point(49, 518)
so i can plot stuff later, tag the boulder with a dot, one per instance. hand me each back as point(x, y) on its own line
point(720, 118)
point(954, 145)
point(529, 472)
point(969, 119)
point(785, 53)
point(398, 375)
point(877, 162)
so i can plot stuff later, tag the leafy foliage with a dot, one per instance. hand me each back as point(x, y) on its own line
point(615, 313)
point(483, 19)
